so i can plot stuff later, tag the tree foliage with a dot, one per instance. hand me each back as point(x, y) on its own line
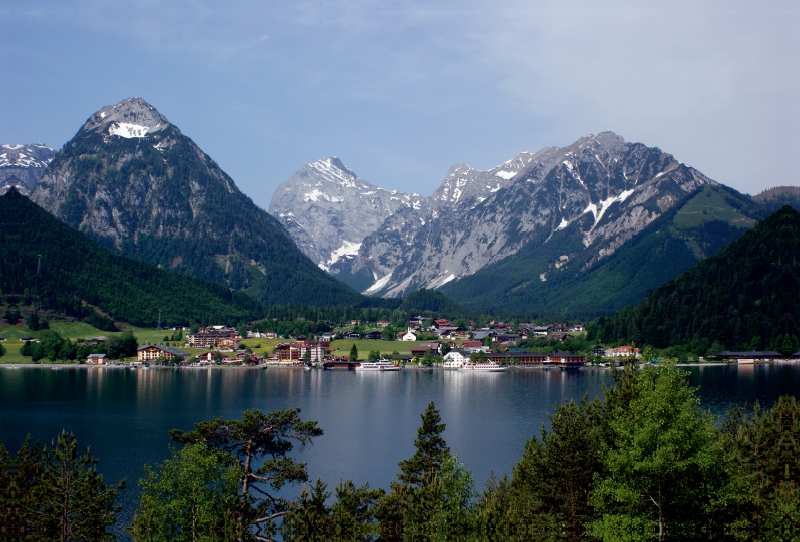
point(260, 444)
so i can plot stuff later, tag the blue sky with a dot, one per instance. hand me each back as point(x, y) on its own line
point(401, 90)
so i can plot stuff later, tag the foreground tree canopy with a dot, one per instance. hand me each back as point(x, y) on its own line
point(644, 463)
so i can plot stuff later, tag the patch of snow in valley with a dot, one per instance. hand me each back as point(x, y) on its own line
point(380, 283)
point(347, 249)
point(564, 224)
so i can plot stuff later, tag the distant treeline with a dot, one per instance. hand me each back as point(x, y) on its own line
point(646, 462)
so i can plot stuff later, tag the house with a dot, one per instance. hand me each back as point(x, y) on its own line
point(269, 334)
point(455, 358)
point(351, 335)
point(558, 336)
point(97, 359)
point(579, 327)
point(254, 358)
point(327, 336)
point(623, 352)
point(424, 347)
point(384, 323)
point(566, 360)
point(416, 322)
point(540, 330)
point(153, 352)
point(479, 335)
point(407, 336)
point(373, 336)
point(439, 323)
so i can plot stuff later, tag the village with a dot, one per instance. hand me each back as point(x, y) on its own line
point(426, 342)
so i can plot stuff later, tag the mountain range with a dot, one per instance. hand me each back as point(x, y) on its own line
point(528, 234)
point(580, 230)
point(134, 183)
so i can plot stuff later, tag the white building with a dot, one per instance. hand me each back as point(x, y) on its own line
point(407, 336)
point(455, 358)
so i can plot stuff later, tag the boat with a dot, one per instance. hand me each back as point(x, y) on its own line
point(488, 366)
point(382, 365)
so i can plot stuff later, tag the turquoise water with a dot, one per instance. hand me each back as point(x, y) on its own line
point(370, 420)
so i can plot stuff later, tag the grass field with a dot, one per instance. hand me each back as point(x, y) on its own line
point(708, 205)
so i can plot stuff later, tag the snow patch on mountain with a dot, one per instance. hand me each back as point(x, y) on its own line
point(128, 130)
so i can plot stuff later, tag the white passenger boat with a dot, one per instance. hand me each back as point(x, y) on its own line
point(485, 367)
point(382, 365)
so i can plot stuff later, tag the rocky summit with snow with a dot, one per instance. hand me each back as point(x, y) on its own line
point(134, 183)
point(604, 189)
point(21, 166)
point(328, 210)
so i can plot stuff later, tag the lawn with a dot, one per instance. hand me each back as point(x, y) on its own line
point(708, 205)
point(342, 347)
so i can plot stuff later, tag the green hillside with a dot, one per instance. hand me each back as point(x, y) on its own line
point(575, 286)
point(746, 297)
point(77, 274)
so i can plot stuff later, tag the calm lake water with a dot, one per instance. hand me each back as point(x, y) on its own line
point(370, 420)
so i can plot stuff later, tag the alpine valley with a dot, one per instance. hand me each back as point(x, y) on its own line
point(581, 230)
point(134, 183)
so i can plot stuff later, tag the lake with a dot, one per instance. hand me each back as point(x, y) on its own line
point(370, 419)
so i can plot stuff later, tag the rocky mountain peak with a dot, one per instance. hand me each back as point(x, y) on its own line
point(133, 117)
point(23, 165)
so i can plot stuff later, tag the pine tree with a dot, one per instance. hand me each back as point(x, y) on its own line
point(353, 353)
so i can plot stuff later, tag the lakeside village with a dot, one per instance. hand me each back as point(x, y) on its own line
point(425, 343)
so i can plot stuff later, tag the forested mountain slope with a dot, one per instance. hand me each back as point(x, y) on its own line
point(133, 182)
point(562, 277)
point(747, 296)
point(76, 274)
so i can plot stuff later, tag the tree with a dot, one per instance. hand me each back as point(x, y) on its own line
point(552, 482)
point(260, 443)
point(424, 490)
point(374, 355)
point(662, 465)
point(71, 494)
point(763, 450)
point(353, 353)
point(193, 496)
point(32, 321)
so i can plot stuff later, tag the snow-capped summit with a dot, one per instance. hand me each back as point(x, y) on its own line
point(22, 166)
point(326, 188)
point(133, 117)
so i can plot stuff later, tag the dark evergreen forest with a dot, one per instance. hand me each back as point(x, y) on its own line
point(746, 297)
point(77, 275)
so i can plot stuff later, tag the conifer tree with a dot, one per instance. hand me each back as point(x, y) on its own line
point(353, 353)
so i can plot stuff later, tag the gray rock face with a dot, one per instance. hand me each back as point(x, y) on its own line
point(328, 210)
point(22, 166)
point(608, 189)
point(613, 188)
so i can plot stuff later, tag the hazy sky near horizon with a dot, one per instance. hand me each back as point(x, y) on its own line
point(402, 90)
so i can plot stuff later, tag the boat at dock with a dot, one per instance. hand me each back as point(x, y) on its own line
point(485, 367)
point(382, 365)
